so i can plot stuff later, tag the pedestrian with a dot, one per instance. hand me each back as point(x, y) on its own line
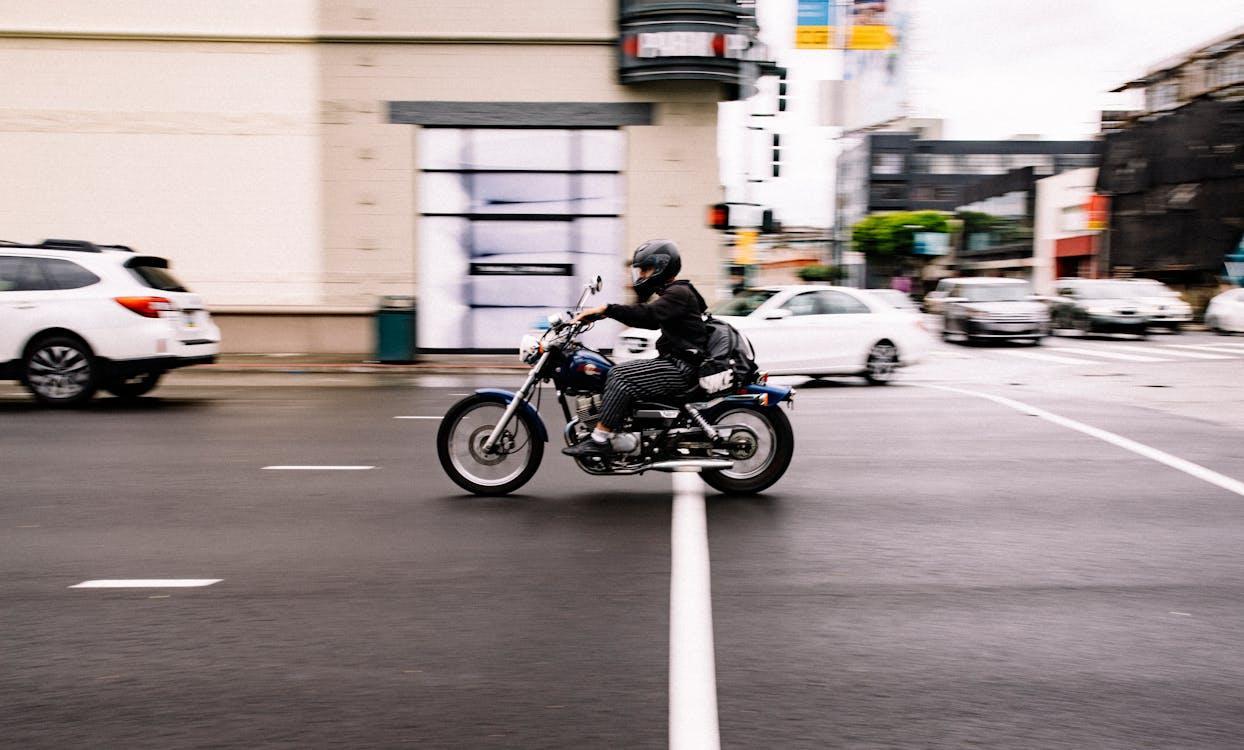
point(677, 309)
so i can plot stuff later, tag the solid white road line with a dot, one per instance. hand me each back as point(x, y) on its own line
point(318, 468)
point(1187, 467)
point(693, 675)
point(1105, 354)
point(146, 583)
point(1049, 358)
point(1216, 348)
point(1189, 355)
point(437, 418)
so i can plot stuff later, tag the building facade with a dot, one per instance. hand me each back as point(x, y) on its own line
point(297, 161)
point(1064, 244)
point(1175, 170)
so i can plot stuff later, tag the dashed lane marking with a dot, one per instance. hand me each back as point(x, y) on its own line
point(318, 468)
point(146, 583)
point(1215, 348)
point(1191, 355)
point(1105, 354)
point(1194, 470)
point(693, 674)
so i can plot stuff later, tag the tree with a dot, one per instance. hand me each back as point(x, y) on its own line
point(816, 273)
point(891, 233)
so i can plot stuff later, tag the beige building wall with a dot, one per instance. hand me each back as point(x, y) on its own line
point(250, 142)
point(1059, 214)
point(203, 151)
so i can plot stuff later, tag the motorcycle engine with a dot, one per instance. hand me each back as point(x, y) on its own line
point(587, 409)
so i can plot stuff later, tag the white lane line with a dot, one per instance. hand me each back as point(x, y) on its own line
point(1216, 348)
point(1190, 355)
point(693, 674)
point(1187, 467)
point(1049, 358)
point(437, 418)
point(1104, 354)
point(146, 583)
point(318, 468)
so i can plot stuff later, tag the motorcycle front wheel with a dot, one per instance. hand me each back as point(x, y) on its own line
point(775, 445)
point(460, 446)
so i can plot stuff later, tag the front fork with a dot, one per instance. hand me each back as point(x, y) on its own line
point(519, 398)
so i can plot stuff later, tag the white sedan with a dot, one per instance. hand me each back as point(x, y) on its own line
point(1225, 313)
point(813, 331)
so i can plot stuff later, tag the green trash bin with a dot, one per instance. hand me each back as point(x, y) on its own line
point(395, 329)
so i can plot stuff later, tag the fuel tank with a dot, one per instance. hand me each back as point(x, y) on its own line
point(584, 372)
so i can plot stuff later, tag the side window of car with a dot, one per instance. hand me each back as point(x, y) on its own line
point(802, 304)
point(18, 274)
point(66, 274)
point(840, 303)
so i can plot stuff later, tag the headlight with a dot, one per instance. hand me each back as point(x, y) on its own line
point(1100, 311)
point(529, 348)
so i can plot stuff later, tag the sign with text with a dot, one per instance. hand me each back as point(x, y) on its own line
point(869, 30)
point(814, 24)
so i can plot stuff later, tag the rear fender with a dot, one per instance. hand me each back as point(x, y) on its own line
point(764, 395)
point(506, 397)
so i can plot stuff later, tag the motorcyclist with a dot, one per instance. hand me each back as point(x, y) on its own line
point(667, 303)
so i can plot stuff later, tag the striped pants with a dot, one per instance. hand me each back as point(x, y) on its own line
point(641, 380)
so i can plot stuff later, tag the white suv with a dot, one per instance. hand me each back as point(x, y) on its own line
point(76, 317)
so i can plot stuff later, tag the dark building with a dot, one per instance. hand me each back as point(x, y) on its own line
point(908, 174)
point(1175, 171)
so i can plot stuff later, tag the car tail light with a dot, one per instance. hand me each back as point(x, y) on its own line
point(148, 307)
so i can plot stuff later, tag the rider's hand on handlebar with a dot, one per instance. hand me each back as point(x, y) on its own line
point(590, 314)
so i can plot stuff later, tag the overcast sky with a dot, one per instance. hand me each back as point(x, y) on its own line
point(990, 68)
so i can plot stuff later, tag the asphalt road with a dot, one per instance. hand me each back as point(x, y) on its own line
point(936, 570)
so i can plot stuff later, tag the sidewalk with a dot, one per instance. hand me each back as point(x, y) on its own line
point(432, 364)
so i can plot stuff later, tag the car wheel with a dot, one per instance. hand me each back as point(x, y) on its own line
point(1176, 328)
point(881, 363)
point(1212, 324)
point(59, 371)
point(133, 386)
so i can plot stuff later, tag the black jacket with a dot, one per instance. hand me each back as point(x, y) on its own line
point(678, 310)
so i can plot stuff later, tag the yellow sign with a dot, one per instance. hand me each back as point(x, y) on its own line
point(744, 246)
point(813, 37)
point(870, 37)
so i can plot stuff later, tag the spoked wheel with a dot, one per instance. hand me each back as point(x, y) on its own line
point(882, 362)
point(133, 386)
point(460, 445)
point(59, 371)
point(761, 452)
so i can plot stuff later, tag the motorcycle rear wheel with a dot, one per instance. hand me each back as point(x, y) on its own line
point(459, 445)
point(775, 447)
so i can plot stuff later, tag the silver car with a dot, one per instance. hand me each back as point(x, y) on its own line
point(994, 308)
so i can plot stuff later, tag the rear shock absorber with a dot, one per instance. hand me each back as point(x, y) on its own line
point(703, 424)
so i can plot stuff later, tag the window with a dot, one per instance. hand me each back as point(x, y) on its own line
point(802, 304)
point(156, 277)
point(65, 274)
point(880, 193)
point(840, 303)
point(20, 274)
point(884, 163)
point(513, 202)
point(744, 303)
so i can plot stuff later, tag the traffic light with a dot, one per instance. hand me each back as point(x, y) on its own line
point(781, 99)
point(719, 216)
point(777, 155)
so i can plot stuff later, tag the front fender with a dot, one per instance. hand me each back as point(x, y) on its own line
point(508, 396)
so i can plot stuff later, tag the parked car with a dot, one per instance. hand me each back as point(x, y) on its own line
point(77, 317)
point(932, 302)
point(994, 308)
point(1225, 313)
point(1166, 308)
point(1098, 306)
point(812, 330)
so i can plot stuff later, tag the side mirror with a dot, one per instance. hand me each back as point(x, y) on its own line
point(556, 320)
point(779, 314)
point(598, 284)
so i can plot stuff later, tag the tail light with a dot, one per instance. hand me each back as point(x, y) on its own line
point(148, 307)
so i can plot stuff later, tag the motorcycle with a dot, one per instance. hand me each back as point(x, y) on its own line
point(492, 442)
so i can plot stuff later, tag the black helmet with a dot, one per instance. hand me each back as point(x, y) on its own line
point(660, 255)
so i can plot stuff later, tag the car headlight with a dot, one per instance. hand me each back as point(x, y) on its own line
point(1100, 311)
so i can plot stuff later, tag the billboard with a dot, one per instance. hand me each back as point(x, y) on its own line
point(869, 29)
point(815, 24)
